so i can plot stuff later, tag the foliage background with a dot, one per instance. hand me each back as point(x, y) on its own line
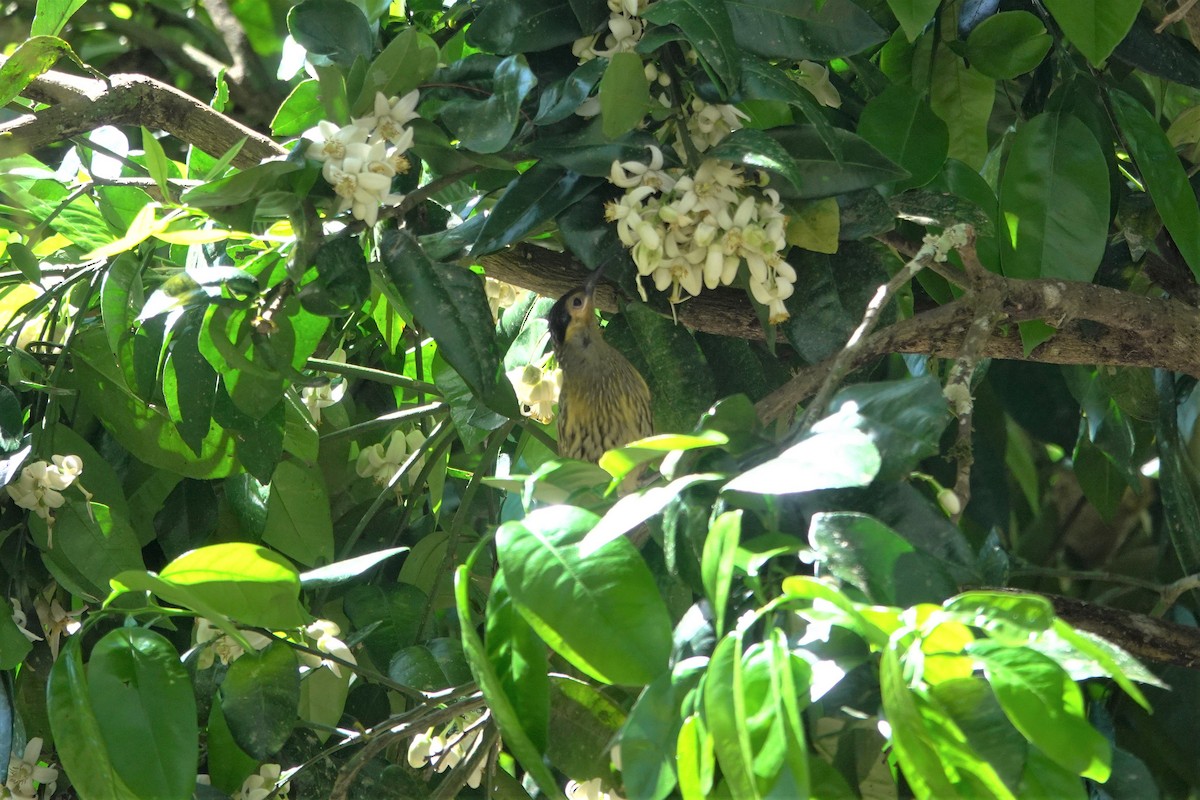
point(170, 300)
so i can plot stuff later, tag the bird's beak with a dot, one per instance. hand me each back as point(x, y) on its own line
point(589, 286)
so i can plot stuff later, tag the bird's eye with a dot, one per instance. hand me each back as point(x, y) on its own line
point(577, 302)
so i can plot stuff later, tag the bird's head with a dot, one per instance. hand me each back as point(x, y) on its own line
point(574, 314)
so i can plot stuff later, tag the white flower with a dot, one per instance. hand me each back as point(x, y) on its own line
point(382, 463)
point(40, 486)
point(326, 632)
point(537, 390)
point(21, 621)
point(262, 783)
point(25, 771)
point(392, 115)
point(221, 645)
point(501, 295)
point(456, 743)
point(317, 397)
point(815, 78)
point(589, 790)
point(329, 141)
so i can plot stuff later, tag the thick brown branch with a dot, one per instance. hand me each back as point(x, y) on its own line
point(1144, 637)
point(83, 104)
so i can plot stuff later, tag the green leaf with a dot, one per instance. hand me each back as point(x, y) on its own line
point(829, 459)
point(1005, 616)
point(483, 125)
point(756, 148)
point(1094, 26)
point(725, 715)
point(156, 162)
point(825, 173)
point(1046, 706)
point(340, 572)
point(393, 613)
point(900, 123)
point(298, 517)
point(336, 29)
point(762, 80)
point(973, 707)
point(914, 15)
point(716, 563)
point(589, 152)
point(31, 58)
point(238, 580)
point(905, 419)
point(406, 62)
point(79, 741)
point(600, 609)
point(259, 698)
point(1163, 175)
point(862, 551)
point(707, 27)
point(624, 94)
point(1054, 201)
point(584, 722)
point(1105, 659)
point(1008, 44)
point(300, 111)
point(449, 304)
point(648, 751)
point(519, 658)
point(146, 709)
point(558, 100)
point(797, 31)
point(241, 187)
point(507, 719)
point(523, 26)
point(533, 198)
point(13, 645)
point(189, 384)
point(51, 15)
point(963, 98)
point(90, 544)
point(918, 757)
point(634, 509)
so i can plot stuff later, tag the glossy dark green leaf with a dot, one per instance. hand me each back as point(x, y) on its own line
point(624, 94)
point(484, 114)
point(347, 570)
point(558, 100)
point(757, 149)
point(393, 613)
point(901, 125)
point(79, 742)
point(342, 281)
point(864, 552)
point(822, 173)
point(1008, 44)
point(406, 62)
point(762, 80)
point(786, 29)
point(1046, 706)
point(535, 197)
point(600, 610)
point(519, 658)
point(189, 383)
point(90, 545)
point(144, 702)
point(707, 27)
point(523, 26)
point(648, 741)
point(433, 666)
point(259, 698)
point(1172, 57)
point(13, 649)
point(188, 516)
point(449, 304)
point(963, 97)
point(589, 152)
point(905, 419)
point(1163, 175)
point(1094, 26)
point(12, 424)
point(336, 29)
point(1054, 201)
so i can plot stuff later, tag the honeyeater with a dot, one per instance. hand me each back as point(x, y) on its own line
point(604, 401)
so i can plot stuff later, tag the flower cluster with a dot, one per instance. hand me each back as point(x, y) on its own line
point(501, 295)
point(624, 31)
point(381, 463)
point(326, 632)
point(537, 390)
point(42, 483)
point(25, 771)
point(262, 783)
point(709, 123)
point(360, 159)
point(317, 397)
point(456, 743)
point(688, 231)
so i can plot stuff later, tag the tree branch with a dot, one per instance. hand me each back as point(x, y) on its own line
point(80, 105)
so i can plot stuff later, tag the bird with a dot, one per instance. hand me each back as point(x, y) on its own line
point(604, 402)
